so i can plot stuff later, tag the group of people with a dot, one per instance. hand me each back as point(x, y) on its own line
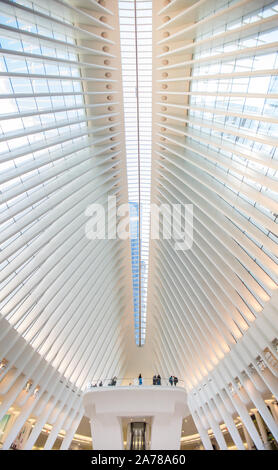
point(112, 383)
point(95, 385)
point(156, 380)
point(173, 380)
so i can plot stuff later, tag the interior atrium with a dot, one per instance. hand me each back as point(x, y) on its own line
point(139, 236)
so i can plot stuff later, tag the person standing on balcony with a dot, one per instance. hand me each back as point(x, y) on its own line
point(140, 380)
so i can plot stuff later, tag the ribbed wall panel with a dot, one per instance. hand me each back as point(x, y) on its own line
point(65, 299)
point(215, 146)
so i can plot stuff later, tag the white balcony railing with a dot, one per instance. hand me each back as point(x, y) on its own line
point(133, 382)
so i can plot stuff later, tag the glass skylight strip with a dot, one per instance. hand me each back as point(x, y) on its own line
point(136, 50)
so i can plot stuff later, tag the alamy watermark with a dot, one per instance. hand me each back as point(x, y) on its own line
point(167, 221)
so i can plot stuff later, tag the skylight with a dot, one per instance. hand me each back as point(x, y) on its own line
point(136, 51)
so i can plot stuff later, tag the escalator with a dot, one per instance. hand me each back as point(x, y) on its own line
point(138, 436)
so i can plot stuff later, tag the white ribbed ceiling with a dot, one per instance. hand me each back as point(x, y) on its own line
point(215, 127)
point(61, 151)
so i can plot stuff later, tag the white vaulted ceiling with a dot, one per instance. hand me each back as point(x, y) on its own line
point(215, 125)
point(193, 120)
point(60, 152)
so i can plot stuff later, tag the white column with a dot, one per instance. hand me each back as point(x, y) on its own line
point(203, 433)
point(55, 430)
point(251, 428)
point(274, 411)
point(248, 439)
point(262, 429)
point(107, 432)
point(70, 433)
point(166, 432)
point(233, 430)
point(217, 432)
point(262, 408)
point(38, 426)
point(229, 423)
